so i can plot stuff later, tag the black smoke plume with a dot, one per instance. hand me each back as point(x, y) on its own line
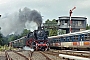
point(17, 21)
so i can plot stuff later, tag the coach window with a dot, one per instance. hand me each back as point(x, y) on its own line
point(14, 41)
point(68, 39)
point(71, 38)
point(74, 39)
point(21, 41)
point(51, 41)
point(60, 39)
point(54, 40)
point(85, 37)
point(82, 37)
point(64, 39)
point(79, 37)
point(88, 36)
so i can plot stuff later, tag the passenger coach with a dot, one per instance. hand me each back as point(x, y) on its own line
point(76, 40)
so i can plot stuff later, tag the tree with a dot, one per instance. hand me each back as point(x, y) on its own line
point(25, 32)
point(54, 21)
point(87, 27)
point(53, 32)
point(51, 24)
point(47, 21)
point(1, 39)
point(5, 41)
point(12, 38)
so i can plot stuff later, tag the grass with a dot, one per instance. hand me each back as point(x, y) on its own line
point(3, 48)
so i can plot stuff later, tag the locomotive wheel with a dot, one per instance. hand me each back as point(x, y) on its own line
point(33, 44)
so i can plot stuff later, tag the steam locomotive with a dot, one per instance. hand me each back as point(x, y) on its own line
point(37, 40)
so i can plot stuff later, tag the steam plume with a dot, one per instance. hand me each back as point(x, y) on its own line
point(17, 21)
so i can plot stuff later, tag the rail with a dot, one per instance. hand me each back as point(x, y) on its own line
point(7, 56)
point(21, 55)
point(72, 53)
point(47, 58)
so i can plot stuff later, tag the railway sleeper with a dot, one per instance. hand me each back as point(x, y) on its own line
point(21, 55)
point(7, 56)
point(47, 58)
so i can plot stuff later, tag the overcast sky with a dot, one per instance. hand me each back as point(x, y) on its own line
point(50, 9)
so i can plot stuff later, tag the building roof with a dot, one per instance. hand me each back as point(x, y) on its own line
point(73, 18)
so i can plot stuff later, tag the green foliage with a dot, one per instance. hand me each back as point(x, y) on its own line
point(47, 21)
point(3, 48)
point(14, 37)
point(53, 32)
point(1, 39)
point(51, 23)
point(11, 38)
point(87, 27)
point(25, 32)
point(54, 21)
point(7, 39)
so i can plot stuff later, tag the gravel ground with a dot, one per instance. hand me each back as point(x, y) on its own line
point(25, 53)
point(38, 56)
point(54, 57)
point(2, 56)
point(35, 56)
point(15, 56)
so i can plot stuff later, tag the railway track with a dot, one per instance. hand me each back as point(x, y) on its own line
point(14, 55)
point(36, 55)
point(81, 54)
point(46, 55)
point(28, 55)
point(2, 56)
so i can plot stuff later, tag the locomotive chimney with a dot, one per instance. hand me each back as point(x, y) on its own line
point(39, 27)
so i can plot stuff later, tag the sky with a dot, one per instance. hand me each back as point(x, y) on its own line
point(49, 9)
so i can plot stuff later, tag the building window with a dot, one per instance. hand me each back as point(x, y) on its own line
point(79, 23)
point(66, 21)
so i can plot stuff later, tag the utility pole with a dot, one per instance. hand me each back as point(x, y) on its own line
point(70, 19)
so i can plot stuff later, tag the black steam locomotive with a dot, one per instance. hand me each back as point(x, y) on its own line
point(37, 40)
